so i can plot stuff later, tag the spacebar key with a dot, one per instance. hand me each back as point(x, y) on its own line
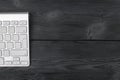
point(18, 52)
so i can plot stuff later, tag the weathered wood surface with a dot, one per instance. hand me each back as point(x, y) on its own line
point(62, 71)
point(75, 19)
point(74, 49)
point(69, 19)
point(63, 60)
point(53, 60)
point(58, 29)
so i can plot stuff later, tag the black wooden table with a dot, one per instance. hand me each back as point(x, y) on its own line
point(70, 39)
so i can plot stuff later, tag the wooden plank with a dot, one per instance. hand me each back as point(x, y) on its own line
point(32, 74)
point(64, 56)
point(74, 49)
point(69, 19)
point(68, 60)
point(72, 20)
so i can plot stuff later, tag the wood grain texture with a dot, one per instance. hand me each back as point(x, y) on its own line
point(76, 60)
point(65, 60)
point(74, 49)
point(69, 60)
point(58, 29)
point(70, 72)
point(72, 19)
point(69, 19)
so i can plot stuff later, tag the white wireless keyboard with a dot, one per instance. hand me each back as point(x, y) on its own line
point(14, 39)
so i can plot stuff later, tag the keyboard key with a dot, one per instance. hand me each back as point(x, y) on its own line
point(11, 29)
point(18, 45)
point(6, 53)
point(1, 60)
point(13, 22)
point(6, 23)
point(1, 37)
point(16, 62)
point(16, 58)
point(9, 58)
point(24, 58)
point(3, 29)
point(21, 29)
point(24, 44)
point(0, 22)
point(0, 53)
point(19, 53)
point(24, 62)
point(10, 45)
point(8, 62)
point(7, 37)
point(23, 22)
point(15, 37)
point(2, 45)
point(22, 37)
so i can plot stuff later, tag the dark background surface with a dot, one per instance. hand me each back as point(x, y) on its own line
point(70, 39)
